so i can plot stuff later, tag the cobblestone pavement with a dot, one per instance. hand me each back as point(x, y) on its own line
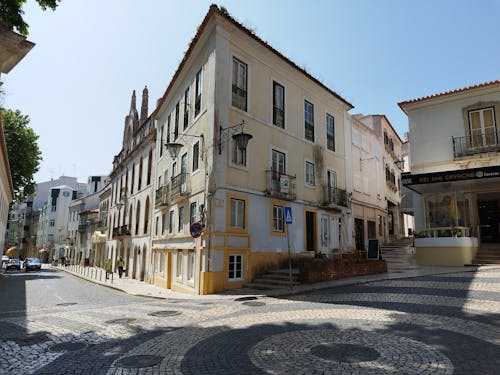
point(445, 324)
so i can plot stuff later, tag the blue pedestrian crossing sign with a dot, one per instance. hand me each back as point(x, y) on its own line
point(288, 215)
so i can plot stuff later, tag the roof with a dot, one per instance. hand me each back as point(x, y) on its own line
point(445, 93)
point(214, 9)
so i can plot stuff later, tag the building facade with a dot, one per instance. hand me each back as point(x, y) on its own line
point(131, 184)
point(247, 133)
point(455, 169)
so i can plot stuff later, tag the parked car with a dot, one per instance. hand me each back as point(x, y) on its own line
point(33, 264)
point(14, 264)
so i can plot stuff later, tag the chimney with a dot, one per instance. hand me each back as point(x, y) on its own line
point(144, 106)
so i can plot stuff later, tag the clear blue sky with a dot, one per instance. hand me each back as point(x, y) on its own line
point(90, 54)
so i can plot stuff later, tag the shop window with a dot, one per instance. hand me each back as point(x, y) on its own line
point(235, 267)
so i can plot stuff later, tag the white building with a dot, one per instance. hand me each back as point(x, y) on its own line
point(455, 168)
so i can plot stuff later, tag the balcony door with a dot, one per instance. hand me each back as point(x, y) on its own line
point(482, 127)
point(331, 181)
point(278, 166)
point(184, 173)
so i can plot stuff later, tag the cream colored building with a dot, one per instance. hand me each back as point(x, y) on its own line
point(131, 183)
point(369, 203)
point(248, 133)
point(455, 168)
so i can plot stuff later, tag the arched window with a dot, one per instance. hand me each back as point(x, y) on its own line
point(139, 177)
point(126, 181)
point(146, 216)
point(132, 180)
point(137, 217)
point(150, 164)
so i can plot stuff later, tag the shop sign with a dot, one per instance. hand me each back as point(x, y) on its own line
point(449, 176)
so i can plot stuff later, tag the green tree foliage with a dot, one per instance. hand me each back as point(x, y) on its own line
point(11, 13)
point(22, 149)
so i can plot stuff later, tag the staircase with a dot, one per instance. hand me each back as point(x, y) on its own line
point(277, 279)
point(399, 254)
point(488, 254)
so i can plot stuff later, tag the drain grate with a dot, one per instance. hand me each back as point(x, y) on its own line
point(121, 321)
point(68, 347)
point(245, 299)
point(165, 313)
point(139, 361)
point(66, 304)
point(254, 303)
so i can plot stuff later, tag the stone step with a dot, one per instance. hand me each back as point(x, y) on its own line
point(268, 281)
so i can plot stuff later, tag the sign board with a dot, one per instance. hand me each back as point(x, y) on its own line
point(61, 250)
point(288, 215)
point(196, 229)
point(284, 184)
point(448, 176)
point(373, 249)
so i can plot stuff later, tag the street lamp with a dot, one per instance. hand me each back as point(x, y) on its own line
point(241, 139)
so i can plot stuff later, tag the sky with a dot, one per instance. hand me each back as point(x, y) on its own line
point(76, 83)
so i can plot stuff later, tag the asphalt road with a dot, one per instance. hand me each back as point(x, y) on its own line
point(54, 323)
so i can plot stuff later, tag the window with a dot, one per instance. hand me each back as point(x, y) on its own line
point(168, 128)
point(191, 259)
point(235, 267)
point(330, 132)
point(196, 155)
point(139, 177)
point(180, 223)
point(162, 263)
point(163, 223)
point(171, 221)
point(482, 127)
point(310, 173)
point(184, 173)
point(239, 84)
point(239, 155)
point(176, 122)
point(161, 141)
point(325, 233)
point(192, 213)
point(237, 215)
point(197, 94)
point(186, 108)
point(178, 273)
point(278, 219)
point(309, 121)
point(52, 223)
point(278, 105)
point(156, 225)
point(386, 138)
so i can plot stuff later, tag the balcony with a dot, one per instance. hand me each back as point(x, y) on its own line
point(82, 227)
point(180, 186)
point(335, 196)
point(476, 144)
point(161, 196)
point(121, 231)
point(280, 185)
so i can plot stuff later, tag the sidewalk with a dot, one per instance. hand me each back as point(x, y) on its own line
point(139, 288)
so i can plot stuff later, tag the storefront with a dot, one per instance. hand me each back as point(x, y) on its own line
point(460, 211)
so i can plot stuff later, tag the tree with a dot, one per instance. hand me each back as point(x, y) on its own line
point(12, 15)
point(23, 152)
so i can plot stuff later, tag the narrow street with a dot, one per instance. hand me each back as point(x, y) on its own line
point(55, 323)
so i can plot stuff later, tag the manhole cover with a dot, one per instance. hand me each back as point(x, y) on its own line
point(66, 304)
point(350, 353)
point(165, 313)
point(253, 303)
point(245, 299)
point(121, 321)
point(139, 361)
point(68, 346)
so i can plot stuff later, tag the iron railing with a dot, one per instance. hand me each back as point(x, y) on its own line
point(179, 185)
point(280, 185)
point(161, 196)
point(476, 144)
point(333, 195)
point(121, 231)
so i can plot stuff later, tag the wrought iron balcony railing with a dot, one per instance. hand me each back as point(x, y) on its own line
point(476, 143)
point(280, 185)
point(161, 196)
point(121, 231)
point(335, 196)
point(179, 186)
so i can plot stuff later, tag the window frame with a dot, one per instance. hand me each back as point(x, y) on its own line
point(180, 219)
point(196, 156)
point(237, 259)
point(330, 136)
point(179, 264)
point(235, 85)
point(229, 200)
point(276, 106)
point(307, 181)
point(274, 207)
point(308, 124)
point(186, 109)
point(197, 94)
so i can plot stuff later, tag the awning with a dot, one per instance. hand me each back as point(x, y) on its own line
point(10, 251)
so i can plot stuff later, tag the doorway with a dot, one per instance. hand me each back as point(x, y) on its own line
point(310, 231)
point(359, 232)
point(488, 207)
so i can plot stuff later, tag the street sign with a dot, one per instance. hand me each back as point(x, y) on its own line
point(196, 229)
point(288, 215)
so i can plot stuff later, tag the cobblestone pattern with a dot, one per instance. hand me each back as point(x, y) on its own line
point(427, 325)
